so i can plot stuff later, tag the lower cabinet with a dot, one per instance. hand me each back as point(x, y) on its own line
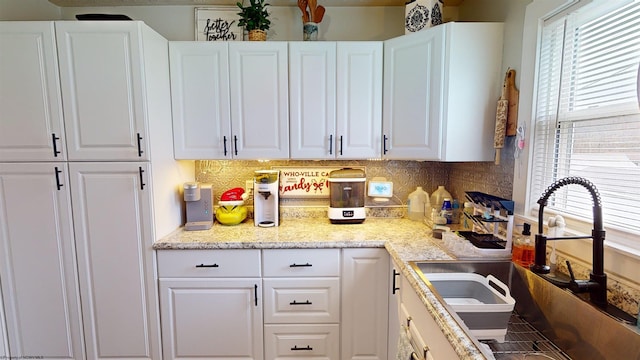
point(212, 318)
point(295, 341)
point(365, 303)
point(302, 303)
point(394, 306)
point(4, 351)
point(430, 342)
point(211, 304)
point(277, 304)
point(37, 264)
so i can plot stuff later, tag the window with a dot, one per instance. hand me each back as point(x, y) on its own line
point(587, 117)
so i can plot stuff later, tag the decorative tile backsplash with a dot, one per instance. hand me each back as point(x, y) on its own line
point(405, 175)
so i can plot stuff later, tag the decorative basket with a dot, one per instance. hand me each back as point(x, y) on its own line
point(257, 35)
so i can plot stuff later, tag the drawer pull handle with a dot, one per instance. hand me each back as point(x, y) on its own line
point(140, 151)
point(394, 287)
point(296, 348)
point(300, 265)
point(55, 146)
point(207, 266)
point(300, 303)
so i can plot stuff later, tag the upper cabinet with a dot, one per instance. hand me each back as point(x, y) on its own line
point(88, 73)
point(440, 90)
point(31, 122)
point(230, 100)
point(359, 104)
point(101, 73)
point(200, 99)
point(259, 88)
point(335, 99)
point(324, 100)
point(312, 99)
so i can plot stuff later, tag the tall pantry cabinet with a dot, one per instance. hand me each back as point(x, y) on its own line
point(77, 187)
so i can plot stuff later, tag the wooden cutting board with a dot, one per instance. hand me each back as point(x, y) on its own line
point(513, 95)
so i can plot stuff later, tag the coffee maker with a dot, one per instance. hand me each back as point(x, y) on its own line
point(266, 198)
point(347, 189)
point(199, 200)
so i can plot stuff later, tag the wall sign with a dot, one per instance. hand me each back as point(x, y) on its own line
point(218, 23)
point(300, 182)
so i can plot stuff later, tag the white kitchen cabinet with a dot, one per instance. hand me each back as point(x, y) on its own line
point(38, 267)
point(113, 222)
point(395, 279)
point(336, 99)
point(4, 342)
point(422, 326)
point(259, 83)
point(312, 99)
point(112, 216)
point(200, 99)
point(440, 90)
point(31, 122)
point(103, 88)
point(302, 303)
point(211, 304)
point(365, 303)
point(359, 100)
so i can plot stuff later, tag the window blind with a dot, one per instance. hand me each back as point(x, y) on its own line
point(587, 119)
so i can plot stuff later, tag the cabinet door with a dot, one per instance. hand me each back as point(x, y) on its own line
point(394, 309)
point(200, 99)
point(359, 100)
point(211, 318)
point(37, 262)
point(365, 303)
point(259, 99)
point(101, 76)
point(312, 96)
point(112, 222)
point(31, 118)
point(4, 343)
point(413, 75)
point(422, 324)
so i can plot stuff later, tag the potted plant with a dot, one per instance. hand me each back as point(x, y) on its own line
point(255, 19)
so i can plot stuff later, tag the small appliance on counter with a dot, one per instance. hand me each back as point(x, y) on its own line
point(199, 199)
point(347, 191)
point(231, 209)
point(266, 198)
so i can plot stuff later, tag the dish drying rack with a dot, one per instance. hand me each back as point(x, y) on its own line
point(492, 231)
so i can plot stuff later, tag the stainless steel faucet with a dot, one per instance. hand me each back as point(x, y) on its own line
point(596, 286)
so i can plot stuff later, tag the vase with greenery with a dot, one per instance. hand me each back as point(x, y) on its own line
point(255, 19)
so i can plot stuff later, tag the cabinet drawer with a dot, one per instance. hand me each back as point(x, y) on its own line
point(208, 263)
point(295, 300)
point(301, 262)
point(302, 341)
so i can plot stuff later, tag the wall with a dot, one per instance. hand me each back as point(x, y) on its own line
point(339, 23)
point(28, 10)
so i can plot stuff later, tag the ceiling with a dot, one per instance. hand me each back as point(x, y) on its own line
point(98, 3)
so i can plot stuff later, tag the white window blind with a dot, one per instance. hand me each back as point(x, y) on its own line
point(587, 118)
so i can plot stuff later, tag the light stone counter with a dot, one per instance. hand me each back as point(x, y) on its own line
point(405, 241)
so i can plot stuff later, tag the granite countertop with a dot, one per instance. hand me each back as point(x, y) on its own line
point(405, 241)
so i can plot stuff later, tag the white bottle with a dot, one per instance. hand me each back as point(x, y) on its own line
point(416, 204)
point(437, 198)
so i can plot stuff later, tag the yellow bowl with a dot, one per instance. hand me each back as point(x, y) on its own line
point(231, 214)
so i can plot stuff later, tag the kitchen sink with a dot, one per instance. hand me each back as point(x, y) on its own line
point(547, 321)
